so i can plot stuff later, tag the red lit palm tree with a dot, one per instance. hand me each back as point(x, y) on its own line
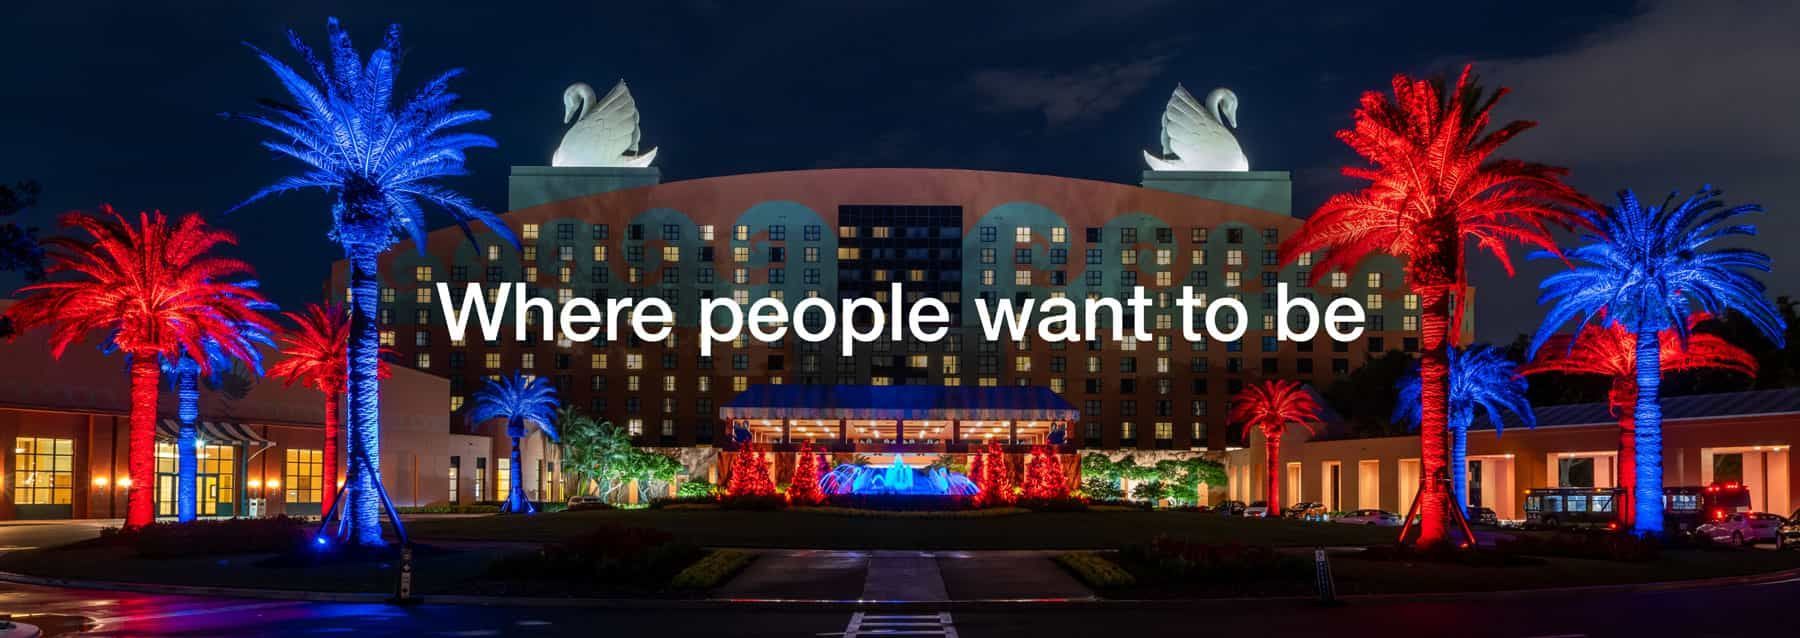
point(1434, 185)
point(316, 356)
point(1609, 349)
point(1271, 407)
point(156, 291)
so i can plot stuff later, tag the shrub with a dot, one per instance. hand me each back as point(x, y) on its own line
point(1102, 490)
point(697, 489)
point(1186, 561)
point(1465, 556)
point(1065, 504)
point(608, 555)
point(1097, 572)
point(708, 572)
point(660, 503)
point(1599, 545)
point(213, 537)
point(760, 502)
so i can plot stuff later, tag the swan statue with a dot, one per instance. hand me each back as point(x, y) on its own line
point(1199, 138)
point(605, 130)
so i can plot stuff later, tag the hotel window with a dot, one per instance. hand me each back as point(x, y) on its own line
point(881, 232)
point(634, 361)
point(1197, 257)
point(1305, 259)
point(387, 338)
point(493, 253)
point(422, 295)
point(597, 361)
point(989, 234)
point(601, 232)
point(1165, 235)
point(1059, 234)
point(565, 253)
point(1022, 234)
point(481, 478)
point(1164, 278)
point(424, 360)
point(456, 403)
point(44, 471)
point(1374, 280)
point(530, 251)
point(671, 253)
point(740, 254)
point(1128, 431)
point(1372, 302)
point(599, 253)
point(491, 360)
point(740, 232)
point(1234, 257)
point(739, 384)
point(1409, 323)
point(810, 232)
point(1128, 257)
point(1165, 430)
point(847, 232)
point(1410, 302)
point(530, 231)
point(1164, 256)
point(1022, 278)
point(849, 253)
point(1234, 279)
point(305, 476)
point(810, 254)
point(422, 273)
point(528, 360)
point(1339, 280)
point(1022, 364)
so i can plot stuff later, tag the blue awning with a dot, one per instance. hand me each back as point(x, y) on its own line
point(899, 402)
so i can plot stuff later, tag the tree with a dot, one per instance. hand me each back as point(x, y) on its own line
point(186, 374)
point(803, 488)
point(1648, 269)
point(993, 476)
point(523, 402)
point(1480, 377)
point(19, 248)
point(1185, 476)
point(1044, 477)
point(1365, 399)
point(1434, 185)
point(645, 466)
point(1271, 407)
point(749, 473)
point(157, 292)
point(315, 356)
point(1610, 351)
point(382, 162)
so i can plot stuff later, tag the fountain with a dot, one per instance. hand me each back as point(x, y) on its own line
point(896, 478)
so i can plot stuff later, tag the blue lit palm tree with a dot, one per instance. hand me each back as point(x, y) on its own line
point(186, 373)
point(1647, 268)
point(522, 402)
point(382, 160)
point(1480, 377)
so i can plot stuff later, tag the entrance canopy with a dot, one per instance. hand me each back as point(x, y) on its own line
point(213, 431)
point(899, 402)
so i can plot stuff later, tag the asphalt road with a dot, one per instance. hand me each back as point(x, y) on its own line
point(1760, 610)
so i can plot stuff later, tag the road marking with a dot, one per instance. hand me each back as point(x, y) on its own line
point(865, 624)
point(200, 611)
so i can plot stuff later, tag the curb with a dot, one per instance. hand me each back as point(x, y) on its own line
point(947, 605)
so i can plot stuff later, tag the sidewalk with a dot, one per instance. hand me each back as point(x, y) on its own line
point(903, 576)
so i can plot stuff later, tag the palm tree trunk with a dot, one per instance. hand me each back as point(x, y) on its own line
point(334, 424)
point(187, 457)
point(1648, 436)
point(515, 497)
point(363, 512)
point(1434, 399)
point(1627, 469)
point(140, 500)
point(1272, 489)
point(1459, 468)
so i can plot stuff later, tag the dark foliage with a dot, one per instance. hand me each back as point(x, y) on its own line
point(1444, 553)
point(759, 502)
point(1053, 504)
point(609, 557)
point(1598, 545)
point(213, 538)
point(1173, 560)
point(1366, 398)
point(659, 503)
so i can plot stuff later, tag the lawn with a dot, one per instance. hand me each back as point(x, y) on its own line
point(823, 530)
point(436, 572)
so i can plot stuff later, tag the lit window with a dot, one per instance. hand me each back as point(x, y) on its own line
point(303, 474)
point(1374, 280)
point(634, 361)
point(599, 253)
point(634, 427)
point(706, 232)
point(1339, 280)
point(671, 253)
point(528, 360)
point(1234, 257)
point(1021, 277)
point(1410, 302)
point(739, 384)
point(1164, 256)
point(422, 273)
point(1409, 323)
point(740, 232)
point(1372, 302)
point(530, 231)
point(1304, 260)
point(1021, 364)
point(1059, 234)
point(1234, 279)
point(424, 360)
point(491, 360)
point(1022, 234)
point(422, 295)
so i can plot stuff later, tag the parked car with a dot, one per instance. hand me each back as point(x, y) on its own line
point(1788, 535)
point(1306, 510)
point(1742, 528)
point(1230, 508)
point(1483, 516)
point(1257, 509)
point(1370, 517)
point(578, 503)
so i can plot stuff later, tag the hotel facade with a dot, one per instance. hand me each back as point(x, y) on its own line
point(956, 235)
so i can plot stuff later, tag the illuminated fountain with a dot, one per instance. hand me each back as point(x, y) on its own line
point(896, 478)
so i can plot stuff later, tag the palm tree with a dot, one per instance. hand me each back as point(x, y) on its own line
point(185, 373)
point(1647, 269)
point(382, 161)
point(315, 356)
point(1434, 185)
point(521, 401)
point(1271, 407)
point(1610, 350)
point(157, 292)
point(1480, 377)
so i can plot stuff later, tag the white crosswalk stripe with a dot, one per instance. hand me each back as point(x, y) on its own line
point(866, 624)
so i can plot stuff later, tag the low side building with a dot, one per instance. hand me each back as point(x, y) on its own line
point(1745, 437)
point(65, 423)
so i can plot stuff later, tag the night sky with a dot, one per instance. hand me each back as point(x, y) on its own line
point(119, 102)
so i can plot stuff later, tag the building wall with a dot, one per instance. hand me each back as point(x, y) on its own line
point(1185, 386)
point(1526, 458)
point(83, 397)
